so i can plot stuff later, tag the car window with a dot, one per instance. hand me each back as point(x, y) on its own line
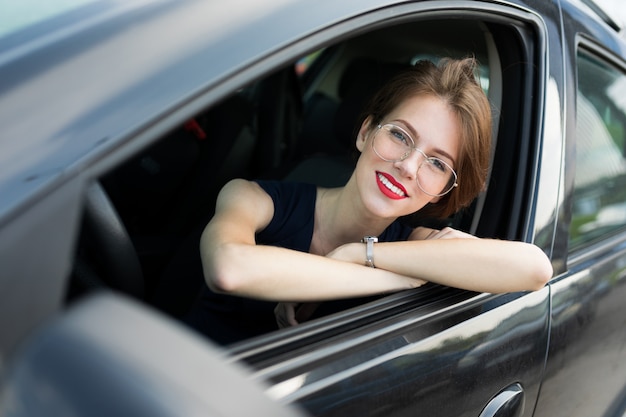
point(297, 123)
point(599, 200)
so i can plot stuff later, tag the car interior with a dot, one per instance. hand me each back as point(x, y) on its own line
point(142, 221)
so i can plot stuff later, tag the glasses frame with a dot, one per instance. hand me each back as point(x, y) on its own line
point(408, 153)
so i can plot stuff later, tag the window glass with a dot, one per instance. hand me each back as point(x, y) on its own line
point(600, 181)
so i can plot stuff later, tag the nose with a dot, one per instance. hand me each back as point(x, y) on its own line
point(409, 165)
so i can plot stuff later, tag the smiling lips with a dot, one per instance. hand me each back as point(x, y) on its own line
point(390, 187)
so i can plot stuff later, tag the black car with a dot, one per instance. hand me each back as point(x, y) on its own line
point(121, 120)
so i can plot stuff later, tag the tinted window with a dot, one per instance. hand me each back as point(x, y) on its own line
point(600, 181)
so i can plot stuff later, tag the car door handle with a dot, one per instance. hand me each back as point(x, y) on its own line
point(507, 403)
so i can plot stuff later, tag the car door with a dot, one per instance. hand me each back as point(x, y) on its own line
point(586, 368)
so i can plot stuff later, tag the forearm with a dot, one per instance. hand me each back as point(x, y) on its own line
point(278, 274)
point(483, 265)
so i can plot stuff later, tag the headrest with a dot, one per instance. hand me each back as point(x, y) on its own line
point(361, 79)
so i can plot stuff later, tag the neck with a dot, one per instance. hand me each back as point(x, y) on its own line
point(340, 218)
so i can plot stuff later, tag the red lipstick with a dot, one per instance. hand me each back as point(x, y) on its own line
point(385, 189)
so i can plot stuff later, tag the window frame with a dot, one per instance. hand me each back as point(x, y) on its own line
point(432, 301)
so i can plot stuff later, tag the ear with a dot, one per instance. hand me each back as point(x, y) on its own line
point(361, 137)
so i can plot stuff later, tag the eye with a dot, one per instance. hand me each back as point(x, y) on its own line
point(437, 164)
point(400, 135)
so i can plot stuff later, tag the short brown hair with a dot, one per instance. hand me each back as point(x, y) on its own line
point(454, 81)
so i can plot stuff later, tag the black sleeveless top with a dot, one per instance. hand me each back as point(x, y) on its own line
point(227, 319)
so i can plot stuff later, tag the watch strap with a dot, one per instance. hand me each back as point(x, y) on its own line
point(369, 250)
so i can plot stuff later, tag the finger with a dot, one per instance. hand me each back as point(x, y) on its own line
point(435, 234)
point(456, 234)
point(446, 233)
point(449, 233)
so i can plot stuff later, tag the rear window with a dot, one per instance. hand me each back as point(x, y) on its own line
point(600, 181)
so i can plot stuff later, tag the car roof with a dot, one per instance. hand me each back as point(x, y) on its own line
point(78, 82)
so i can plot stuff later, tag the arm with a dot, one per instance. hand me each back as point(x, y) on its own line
point(452, 258)
point(233, 263)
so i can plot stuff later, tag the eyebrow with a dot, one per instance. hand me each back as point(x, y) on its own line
point(416, 135)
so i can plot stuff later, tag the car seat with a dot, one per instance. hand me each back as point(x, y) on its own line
point(329, 155)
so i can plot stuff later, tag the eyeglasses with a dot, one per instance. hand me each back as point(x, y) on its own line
point(435, 176)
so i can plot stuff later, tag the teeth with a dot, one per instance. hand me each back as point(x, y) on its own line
point(390, 186)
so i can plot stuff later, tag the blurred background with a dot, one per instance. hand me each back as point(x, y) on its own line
point(616, 9)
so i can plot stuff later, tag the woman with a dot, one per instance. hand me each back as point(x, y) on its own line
point(424, 147)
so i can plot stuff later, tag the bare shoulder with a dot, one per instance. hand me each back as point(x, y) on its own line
point(244, 201)
point(239, 189)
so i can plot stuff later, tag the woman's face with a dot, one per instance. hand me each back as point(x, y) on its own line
point(390, 189)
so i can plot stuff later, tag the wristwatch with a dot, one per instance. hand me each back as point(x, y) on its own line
point(369, 250)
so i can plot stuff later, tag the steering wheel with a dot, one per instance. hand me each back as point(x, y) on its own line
point(106, 255)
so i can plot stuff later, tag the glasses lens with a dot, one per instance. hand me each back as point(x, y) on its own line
point(435, 177)
point(392, 143)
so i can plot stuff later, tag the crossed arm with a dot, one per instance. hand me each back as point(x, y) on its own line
point(234, 264)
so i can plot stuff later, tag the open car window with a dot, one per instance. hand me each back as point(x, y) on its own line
point(296, 123)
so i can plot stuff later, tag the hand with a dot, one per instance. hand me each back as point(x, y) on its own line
point(285, 314)
point(445, 233)
point(290, 314)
